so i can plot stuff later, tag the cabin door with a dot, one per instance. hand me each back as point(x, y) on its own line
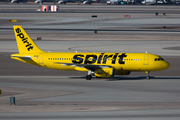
point(146, 60)
point(41, 59)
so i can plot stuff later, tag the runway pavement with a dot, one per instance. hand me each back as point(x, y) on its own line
point(51, 94)
point(75, 98)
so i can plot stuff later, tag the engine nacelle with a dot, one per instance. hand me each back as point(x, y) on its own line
point(105, 72)
point(123, 72)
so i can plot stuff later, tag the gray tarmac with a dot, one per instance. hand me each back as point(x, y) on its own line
point(50, 94)
point(64, 97)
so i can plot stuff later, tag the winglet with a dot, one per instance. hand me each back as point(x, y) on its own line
point(24, 42)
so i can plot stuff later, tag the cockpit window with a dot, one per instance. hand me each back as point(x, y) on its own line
point(158, 59)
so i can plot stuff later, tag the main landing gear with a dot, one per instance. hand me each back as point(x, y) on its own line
point(89, 76)
point(148, 77)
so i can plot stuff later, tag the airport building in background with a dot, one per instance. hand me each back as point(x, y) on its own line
point(175, 2)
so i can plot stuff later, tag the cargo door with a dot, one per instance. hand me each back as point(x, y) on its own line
point(146, 60)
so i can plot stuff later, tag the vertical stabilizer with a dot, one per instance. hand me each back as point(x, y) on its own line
point(24, 42)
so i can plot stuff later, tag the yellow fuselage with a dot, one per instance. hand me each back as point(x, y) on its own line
point(119, 61)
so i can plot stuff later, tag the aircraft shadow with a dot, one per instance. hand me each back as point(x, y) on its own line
point(142, 78)
point(128, 78)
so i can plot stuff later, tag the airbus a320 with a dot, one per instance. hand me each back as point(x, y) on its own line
point(95, 64)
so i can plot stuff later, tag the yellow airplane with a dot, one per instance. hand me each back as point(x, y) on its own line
point(98, 64)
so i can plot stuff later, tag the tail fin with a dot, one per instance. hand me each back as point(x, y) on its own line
point(24, 42)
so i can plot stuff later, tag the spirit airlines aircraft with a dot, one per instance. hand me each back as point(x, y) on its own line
point(98, 64)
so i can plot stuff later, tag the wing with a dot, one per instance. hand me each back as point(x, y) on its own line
point(87, 66)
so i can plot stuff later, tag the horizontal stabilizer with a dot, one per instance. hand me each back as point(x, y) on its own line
point(26, 58)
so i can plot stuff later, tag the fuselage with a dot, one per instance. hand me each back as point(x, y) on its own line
point(119, 61)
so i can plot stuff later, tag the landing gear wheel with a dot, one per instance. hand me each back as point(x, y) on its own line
point(88, 77)
point(148, 77)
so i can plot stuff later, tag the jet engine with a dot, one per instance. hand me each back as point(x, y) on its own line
point(104, 72)
point(123, 72)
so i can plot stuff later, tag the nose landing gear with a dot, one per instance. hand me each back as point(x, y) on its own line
point(147, 74)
